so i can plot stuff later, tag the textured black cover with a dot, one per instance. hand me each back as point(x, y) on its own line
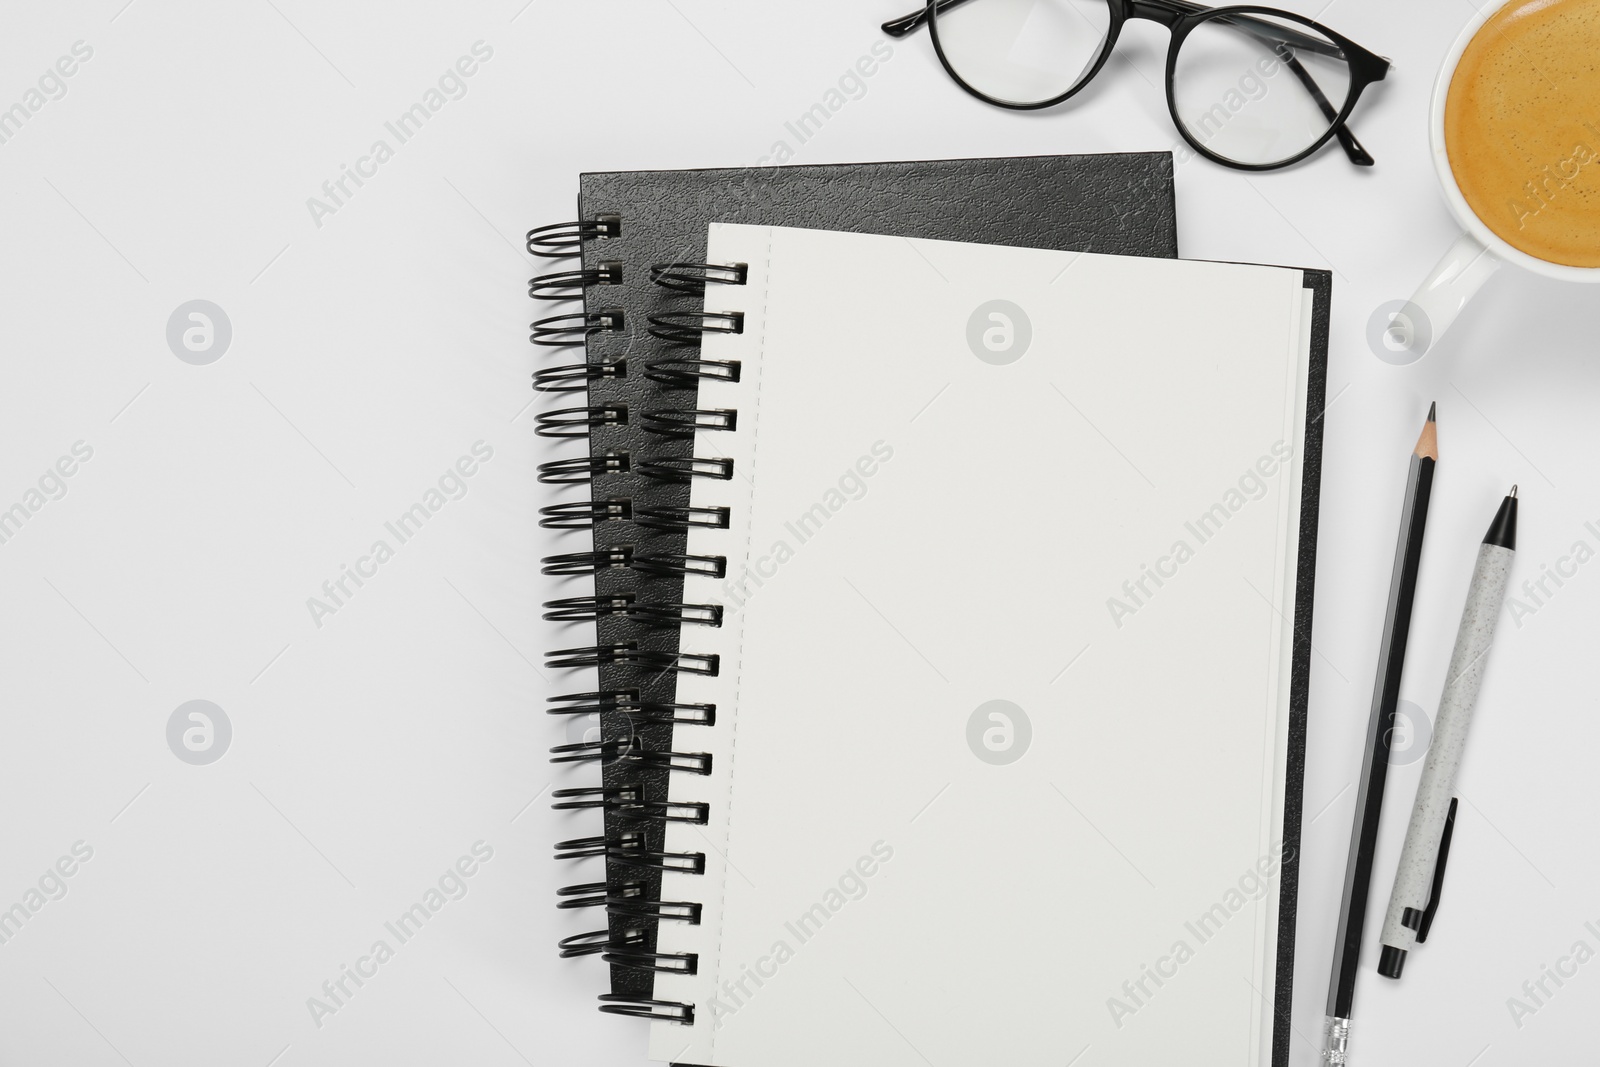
point(1116, 204)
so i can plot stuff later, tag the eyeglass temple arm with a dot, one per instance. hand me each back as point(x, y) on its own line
point(1347, 140)
point(908, 24)
point(1270, 31)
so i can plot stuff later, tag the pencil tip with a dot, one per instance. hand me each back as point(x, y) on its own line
point(1428, 439)
point(1433, 409)
point(1513, 492)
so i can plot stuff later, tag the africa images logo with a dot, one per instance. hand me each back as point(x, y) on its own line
point(999, 332)
point(199, 332)
point(199, 732)
point(999, 732)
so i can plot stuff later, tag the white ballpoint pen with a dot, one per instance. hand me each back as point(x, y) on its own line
point(1422, 859)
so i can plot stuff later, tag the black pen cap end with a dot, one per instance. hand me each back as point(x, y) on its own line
point(1391, 961)
point(1503, 530)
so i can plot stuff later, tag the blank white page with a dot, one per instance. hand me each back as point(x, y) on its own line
point(1099, 532)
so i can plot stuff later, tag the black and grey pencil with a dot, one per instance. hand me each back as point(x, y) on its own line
point(1380, 729)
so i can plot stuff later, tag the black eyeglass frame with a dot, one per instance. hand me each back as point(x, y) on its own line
point(1182, 18)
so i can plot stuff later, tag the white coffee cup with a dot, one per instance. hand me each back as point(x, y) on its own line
point(1477, 253)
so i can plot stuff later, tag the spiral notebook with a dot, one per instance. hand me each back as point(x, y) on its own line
point(629, 486)
point(1008, 658)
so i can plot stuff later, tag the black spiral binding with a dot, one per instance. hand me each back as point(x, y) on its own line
point(570, 284)
point(565, 331)
point(637, 512)
point(576, 376)
point(694, 277)
point(563, 239)
point(688, 327)
point(686, 373)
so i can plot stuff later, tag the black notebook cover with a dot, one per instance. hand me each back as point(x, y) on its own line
point(1116, 204)
point(1320, 283)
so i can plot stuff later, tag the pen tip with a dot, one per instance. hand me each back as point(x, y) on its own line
point(1433, 410)
point(1513, 492)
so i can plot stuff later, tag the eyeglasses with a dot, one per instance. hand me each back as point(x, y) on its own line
point(1226, 83)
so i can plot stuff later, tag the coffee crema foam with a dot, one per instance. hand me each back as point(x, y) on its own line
point(1522, 128)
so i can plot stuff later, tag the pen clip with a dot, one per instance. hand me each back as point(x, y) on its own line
point(1438, 872)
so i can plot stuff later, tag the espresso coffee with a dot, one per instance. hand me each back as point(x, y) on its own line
point(1522, 128)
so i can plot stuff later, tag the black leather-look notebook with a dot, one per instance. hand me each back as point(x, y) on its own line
point(630, 393)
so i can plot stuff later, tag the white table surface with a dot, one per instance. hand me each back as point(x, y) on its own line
point(371, 351)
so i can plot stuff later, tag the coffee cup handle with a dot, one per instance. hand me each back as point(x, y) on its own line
point(1459, 274)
